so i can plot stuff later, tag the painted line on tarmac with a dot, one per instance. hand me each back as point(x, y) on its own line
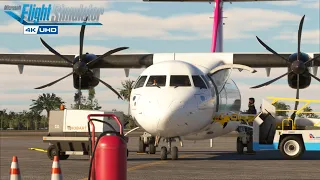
point(141, 166)
point(38, 149)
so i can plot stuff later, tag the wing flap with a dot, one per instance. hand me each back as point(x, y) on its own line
point(34, 60)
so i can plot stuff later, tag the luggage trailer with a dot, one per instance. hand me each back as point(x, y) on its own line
point(291, 137)
point(68, 131)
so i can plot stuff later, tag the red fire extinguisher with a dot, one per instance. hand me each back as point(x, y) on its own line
point(109, 155)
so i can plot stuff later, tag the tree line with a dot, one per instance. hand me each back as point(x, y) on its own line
point(32, 119)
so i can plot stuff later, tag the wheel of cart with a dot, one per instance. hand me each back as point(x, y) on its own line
point(53, 151)
point(292, 147)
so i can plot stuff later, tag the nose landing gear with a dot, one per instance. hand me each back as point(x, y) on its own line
point(172, 150)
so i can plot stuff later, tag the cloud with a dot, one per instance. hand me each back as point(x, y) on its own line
point(138, 9)
point(308, 36)
point(305, 4)
point(190, 26)
point(285, 3)
point(315, 5)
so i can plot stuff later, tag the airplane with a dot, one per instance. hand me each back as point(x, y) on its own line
point(172, 110)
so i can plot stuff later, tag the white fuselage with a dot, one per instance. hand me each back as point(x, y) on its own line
point(174, 109)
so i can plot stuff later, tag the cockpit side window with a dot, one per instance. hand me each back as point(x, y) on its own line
point(155, 81)
point(206, 80)
point(198, 82)
point(140, 82)
point(179, 80)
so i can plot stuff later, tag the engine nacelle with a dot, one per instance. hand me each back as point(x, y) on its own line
point(87, 81)
point(304, 80)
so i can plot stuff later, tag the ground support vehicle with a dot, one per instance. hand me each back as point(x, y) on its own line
point(68, 131)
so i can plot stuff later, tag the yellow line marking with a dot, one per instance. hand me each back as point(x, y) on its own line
point(38, 149)
point(145, 165)
point(140, 166)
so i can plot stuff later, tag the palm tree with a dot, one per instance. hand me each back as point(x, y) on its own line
point(126, 91)
point(46, 102)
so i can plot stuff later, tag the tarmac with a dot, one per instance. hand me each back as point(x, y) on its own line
point(197, 161)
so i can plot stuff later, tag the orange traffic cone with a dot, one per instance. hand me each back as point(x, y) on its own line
point(14, 170)
point(56, 171)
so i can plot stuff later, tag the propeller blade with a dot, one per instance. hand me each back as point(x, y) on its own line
point(81, 38)
point(271, 81)
point(299, 35)
point(91, 63)
point(314, 77)
point(52, 83)
point(271, 50)
point(315, 58)
point(293, 116)
point(79, 92)
point(106, 84)
point(55, 52)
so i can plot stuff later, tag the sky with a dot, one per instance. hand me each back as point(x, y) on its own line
point(161, 28)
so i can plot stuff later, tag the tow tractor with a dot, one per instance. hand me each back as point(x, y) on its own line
point(291, 137)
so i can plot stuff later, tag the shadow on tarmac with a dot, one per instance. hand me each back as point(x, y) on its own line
point(226, 155)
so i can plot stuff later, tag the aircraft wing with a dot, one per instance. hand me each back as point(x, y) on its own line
point(113, 61)
point(254, 60)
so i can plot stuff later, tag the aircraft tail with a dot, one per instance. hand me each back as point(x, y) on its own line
point(216, 24)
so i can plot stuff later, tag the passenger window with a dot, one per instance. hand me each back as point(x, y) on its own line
point(140, 82)
point(155, 81)
point(198, 82)
point(178, 80)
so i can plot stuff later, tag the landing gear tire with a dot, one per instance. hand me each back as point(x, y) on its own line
point(163, 153)
point(240, 146)
point(292, 147)
point(53, 151)
point(142, 146)
point(174, 153)
point(250, 148)
point(152, 148)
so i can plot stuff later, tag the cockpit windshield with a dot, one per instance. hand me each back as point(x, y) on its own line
point(179, 80)
point(140, 82)
point(156, 81)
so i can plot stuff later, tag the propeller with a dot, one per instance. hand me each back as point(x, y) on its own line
point(81, 67)
point(297, 67)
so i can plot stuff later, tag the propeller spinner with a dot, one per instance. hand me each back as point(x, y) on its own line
point(81, 67)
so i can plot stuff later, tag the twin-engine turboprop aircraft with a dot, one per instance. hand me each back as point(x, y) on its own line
point(178, 94)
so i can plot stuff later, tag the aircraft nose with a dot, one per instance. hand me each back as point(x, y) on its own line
point(170, 117)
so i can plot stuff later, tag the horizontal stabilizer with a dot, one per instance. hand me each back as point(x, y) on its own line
point(20, 67)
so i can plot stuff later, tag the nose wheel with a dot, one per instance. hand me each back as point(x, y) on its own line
point(172, 150)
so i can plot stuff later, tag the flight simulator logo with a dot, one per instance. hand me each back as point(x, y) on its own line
point(45, 18)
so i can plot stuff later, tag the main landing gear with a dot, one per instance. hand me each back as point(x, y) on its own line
point(172, 150)
point(245, 139)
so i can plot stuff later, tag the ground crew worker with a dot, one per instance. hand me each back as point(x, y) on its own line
point(252, 108)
